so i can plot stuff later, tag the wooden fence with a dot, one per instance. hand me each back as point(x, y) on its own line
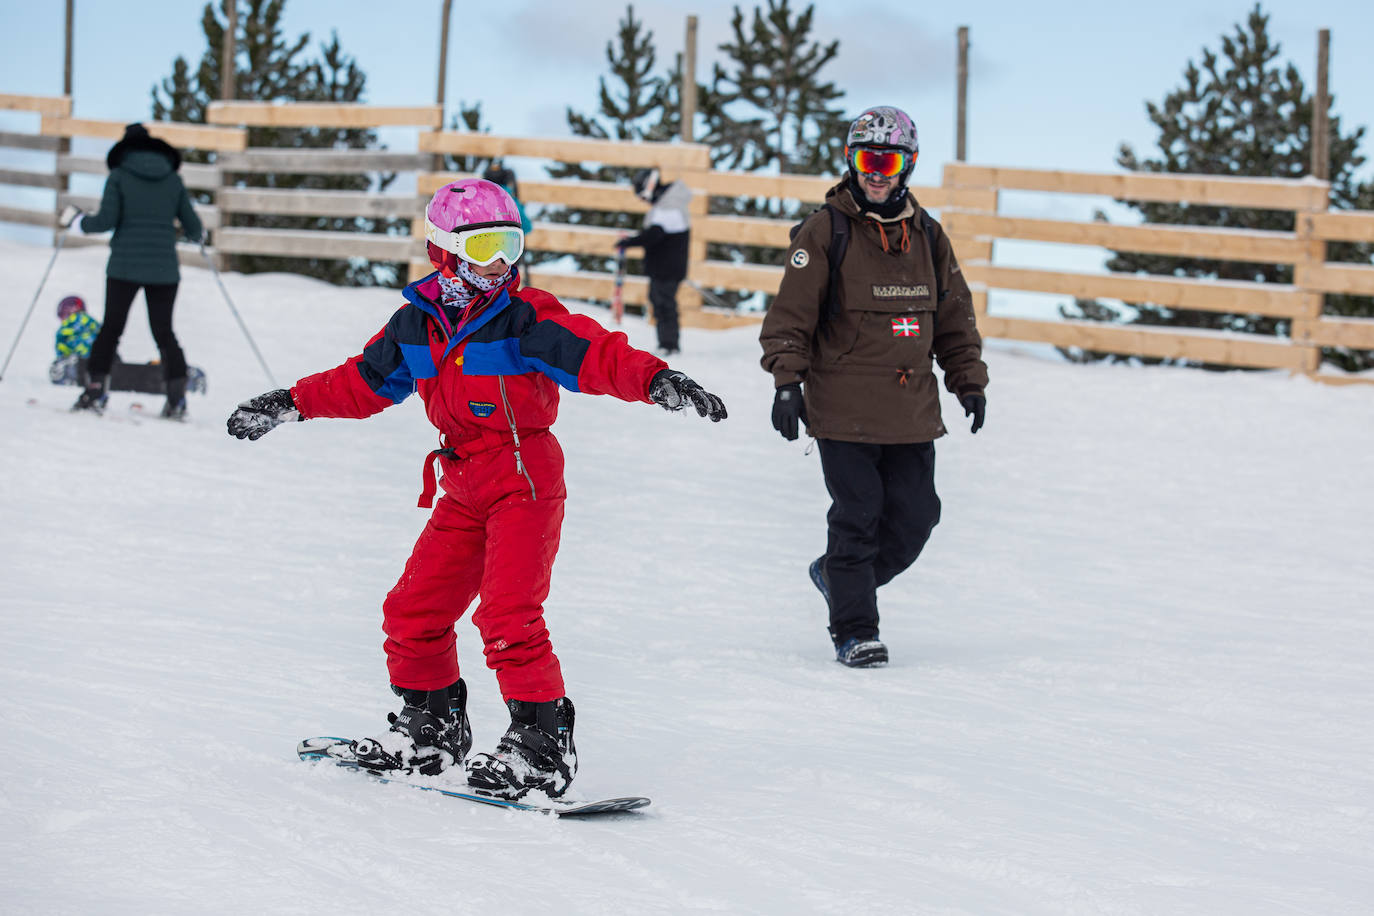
point(967, 203)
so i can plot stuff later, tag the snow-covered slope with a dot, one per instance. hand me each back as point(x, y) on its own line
point(1131, 673)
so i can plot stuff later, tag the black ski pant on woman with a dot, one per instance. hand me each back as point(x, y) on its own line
point(884, 508)
point(663, 298)
point(119, 298)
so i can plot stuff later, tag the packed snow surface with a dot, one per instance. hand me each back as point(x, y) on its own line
point(1131, 674)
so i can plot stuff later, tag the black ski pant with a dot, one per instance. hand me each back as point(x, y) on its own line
point(119, 298)
point(883, 509)
point(663, 298)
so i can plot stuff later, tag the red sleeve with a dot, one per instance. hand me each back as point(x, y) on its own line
point(610, 365)
point(339, 392)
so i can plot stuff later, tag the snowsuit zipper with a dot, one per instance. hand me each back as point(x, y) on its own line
point(515, 434)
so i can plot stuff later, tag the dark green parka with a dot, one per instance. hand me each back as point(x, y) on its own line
point(143, 197)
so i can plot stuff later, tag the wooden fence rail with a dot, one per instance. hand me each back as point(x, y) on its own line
point(967, 202)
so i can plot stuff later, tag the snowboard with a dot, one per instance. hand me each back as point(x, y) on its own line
point(338, 751)
point(144, 378)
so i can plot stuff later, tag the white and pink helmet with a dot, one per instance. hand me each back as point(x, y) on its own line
point(474, 220)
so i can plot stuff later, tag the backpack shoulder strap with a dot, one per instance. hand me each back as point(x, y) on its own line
point(839, 244)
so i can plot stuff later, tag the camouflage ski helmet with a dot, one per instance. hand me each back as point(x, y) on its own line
point(884, 126)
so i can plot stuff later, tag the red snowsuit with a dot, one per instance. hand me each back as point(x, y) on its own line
point(489, 380)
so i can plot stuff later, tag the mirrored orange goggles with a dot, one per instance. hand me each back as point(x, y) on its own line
point(886, 162)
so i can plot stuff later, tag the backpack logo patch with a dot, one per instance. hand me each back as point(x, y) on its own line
point(800, 258)
point(481, 409)
point(898, 291)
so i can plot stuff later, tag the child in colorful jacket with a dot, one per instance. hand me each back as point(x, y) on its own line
point(487, 358)
point(78, 329)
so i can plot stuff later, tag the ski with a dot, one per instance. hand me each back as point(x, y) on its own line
point(100, 414)
point(339, 752)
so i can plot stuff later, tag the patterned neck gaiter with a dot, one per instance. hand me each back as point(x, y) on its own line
point(455, 293)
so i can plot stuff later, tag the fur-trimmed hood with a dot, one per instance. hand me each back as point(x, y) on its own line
point(137, 139)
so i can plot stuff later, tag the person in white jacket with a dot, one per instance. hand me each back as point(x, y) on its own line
point(665, 236)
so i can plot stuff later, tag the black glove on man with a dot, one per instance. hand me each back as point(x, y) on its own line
point(788, 408)
point(975, 405)
point(672, 390)
point(258, 416)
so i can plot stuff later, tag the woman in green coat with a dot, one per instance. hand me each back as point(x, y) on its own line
point(143, 199)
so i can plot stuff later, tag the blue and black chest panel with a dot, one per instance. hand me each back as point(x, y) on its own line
point(506, 338)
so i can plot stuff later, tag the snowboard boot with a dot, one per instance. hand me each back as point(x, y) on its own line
point(431, 733)
point(175, 408)
point(861, 653)
point(536, 752)
point(94, 397)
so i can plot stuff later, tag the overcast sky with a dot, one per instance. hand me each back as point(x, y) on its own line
point(1054, 84)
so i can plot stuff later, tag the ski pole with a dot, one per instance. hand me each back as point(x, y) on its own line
point(710, 296)
point(230, 302)
point(61, 237)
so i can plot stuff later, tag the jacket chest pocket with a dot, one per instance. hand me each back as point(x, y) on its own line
point(890, 336)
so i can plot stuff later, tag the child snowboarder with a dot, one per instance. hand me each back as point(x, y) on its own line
point(487, 358)
point(75, 335)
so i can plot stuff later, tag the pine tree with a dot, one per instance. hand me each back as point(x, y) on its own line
point(271, 68)
point(768, 107)
point(633, 105)
point(1241, 113)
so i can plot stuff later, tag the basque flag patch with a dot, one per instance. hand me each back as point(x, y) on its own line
point(906, 327)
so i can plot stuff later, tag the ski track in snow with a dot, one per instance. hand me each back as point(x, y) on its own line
point(1131, 672)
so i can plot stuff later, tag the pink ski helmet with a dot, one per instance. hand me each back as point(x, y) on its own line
point(69, 306)
point(475, 220)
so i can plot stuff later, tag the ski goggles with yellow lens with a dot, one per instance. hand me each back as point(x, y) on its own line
point(886, 162)
point(481, 245)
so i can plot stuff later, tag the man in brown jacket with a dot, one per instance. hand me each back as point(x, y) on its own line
point(863, 353)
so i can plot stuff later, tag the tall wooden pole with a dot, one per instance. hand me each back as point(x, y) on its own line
point(227, 74)
point(1321, 127)
point(67, 60)
point(64, 144)
point(443, 58)
point(961, 116)
point(689, 80)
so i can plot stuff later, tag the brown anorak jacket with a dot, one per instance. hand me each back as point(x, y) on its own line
point(867, 371)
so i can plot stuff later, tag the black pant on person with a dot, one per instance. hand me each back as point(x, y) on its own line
point(119, 298)
point(883, 508)
point(663, 298)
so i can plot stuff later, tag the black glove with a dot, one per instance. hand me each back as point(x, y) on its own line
point(788, 408)
point(672, 390)
point(258, 416)
point(70, 214)
point(975, 405)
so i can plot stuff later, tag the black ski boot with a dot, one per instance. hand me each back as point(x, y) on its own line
point(431, 734)
point(95, 396)
point(536, 752)
point(175, 408)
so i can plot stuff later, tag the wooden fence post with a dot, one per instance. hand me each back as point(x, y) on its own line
point(1305, 274)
